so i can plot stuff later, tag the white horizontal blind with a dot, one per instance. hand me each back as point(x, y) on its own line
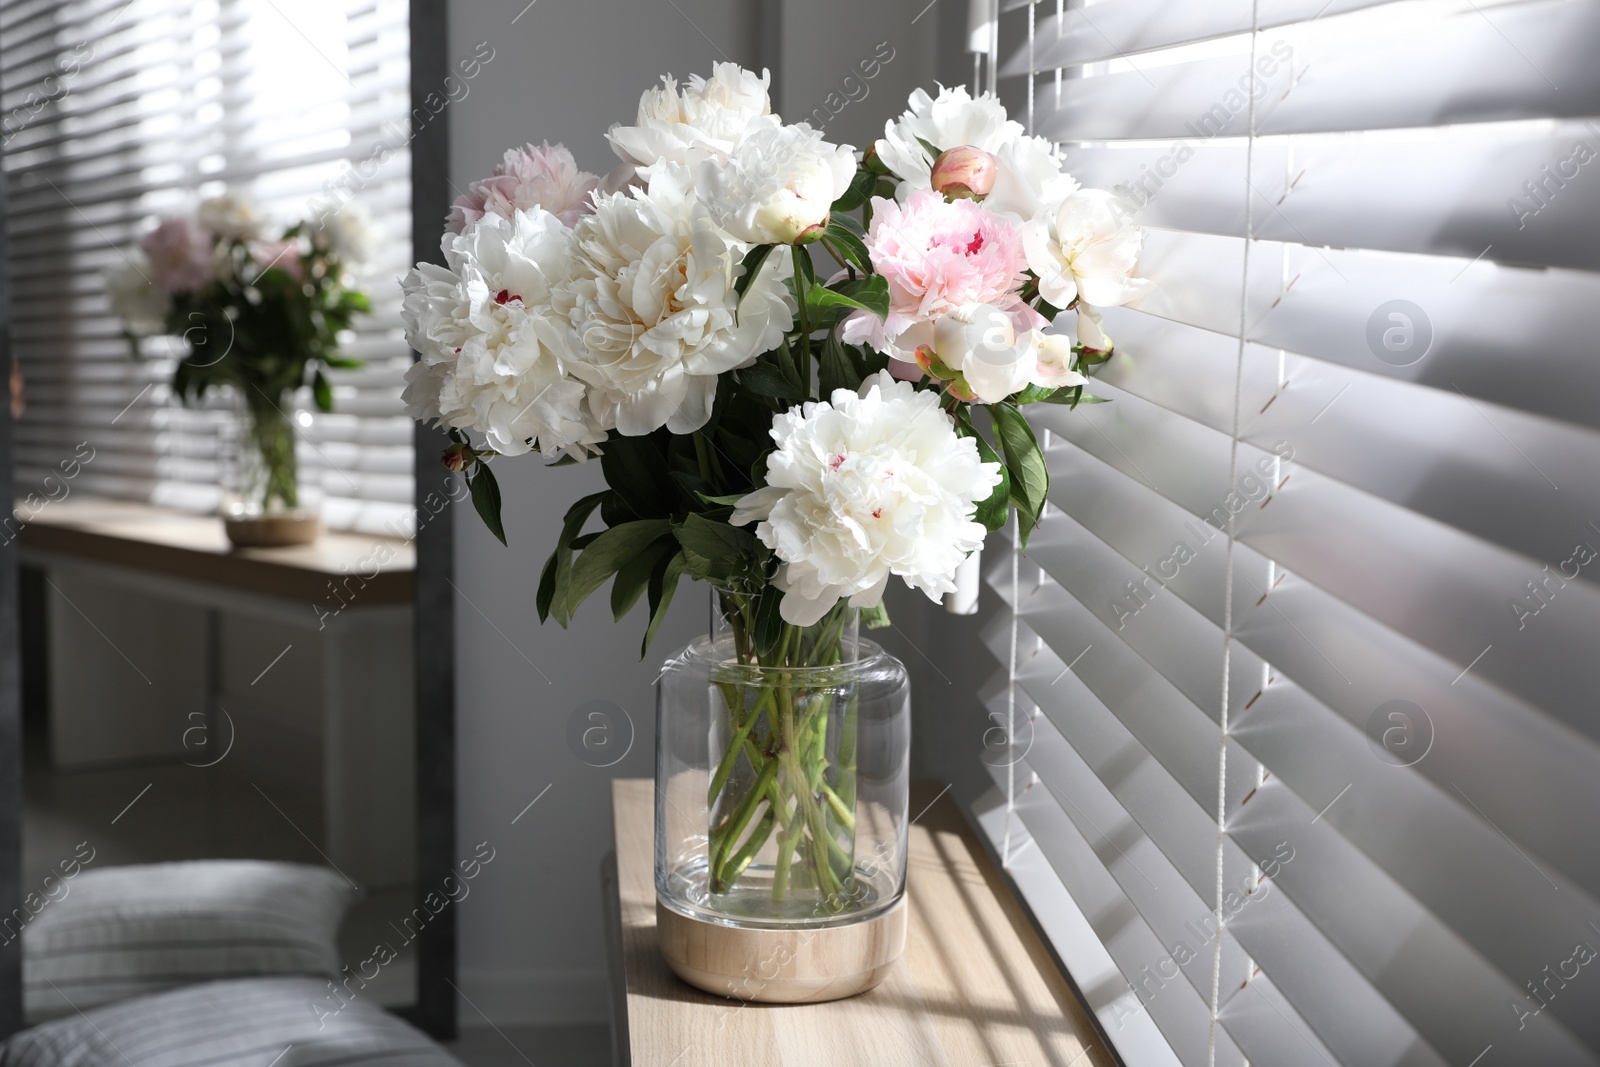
point(1304, 652)
point(118, 112)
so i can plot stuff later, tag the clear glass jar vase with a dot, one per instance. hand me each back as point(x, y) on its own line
point(781, 776)
point(264, 503)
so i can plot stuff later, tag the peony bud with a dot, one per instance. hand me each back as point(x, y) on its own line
point(787, 220)
point(931, 365)
point(1053, 356)
point(870, 161)
point(456, 458)
point(963, 173)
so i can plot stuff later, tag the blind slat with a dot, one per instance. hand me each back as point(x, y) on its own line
point(1463, 68)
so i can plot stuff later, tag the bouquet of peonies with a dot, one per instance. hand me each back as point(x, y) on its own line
point(253, 312)
point(777, 347)
point(715, 322)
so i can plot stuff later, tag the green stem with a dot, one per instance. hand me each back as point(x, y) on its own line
point(702, 455)
point(271, 436)
point(740, 860)
point(840, 811)
point(726, 835)
point(804, 315)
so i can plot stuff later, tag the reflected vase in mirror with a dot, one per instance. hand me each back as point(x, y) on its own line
point(265, 505)
point(781, 794)
point(261, 311)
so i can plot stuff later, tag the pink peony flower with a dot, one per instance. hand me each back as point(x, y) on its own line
point(285, 255)
point(179, 255)
point(938, 257)
point(530, 177)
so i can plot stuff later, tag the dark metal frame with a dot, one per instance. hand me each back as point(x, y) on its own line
point(433, 600)
point(435, 1008)
point(10, 683)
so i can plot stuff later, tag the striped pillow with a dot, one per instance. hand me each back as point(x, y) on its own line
point(245, 1022)
point(126, 931)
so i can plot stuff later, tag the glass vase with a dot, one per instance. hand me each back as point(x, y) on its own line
point(781, 794)
point(264, 504)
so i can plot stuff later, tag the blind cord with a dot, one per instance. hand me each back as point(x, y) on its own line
point(1016, 534)
point(1227, 593)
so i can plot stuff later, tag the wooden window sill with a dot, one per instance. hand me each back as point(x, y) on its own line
point(976, 984)
point(181, 544)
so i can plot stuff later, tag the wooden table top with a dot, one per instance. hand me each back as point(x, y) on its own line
point(975, 988)
point(186, 545)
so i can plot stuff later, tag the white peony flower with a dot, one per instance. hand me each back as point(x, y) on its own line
point(651, 307)
point(980, 341)
point(777, 185)
point(865, 486)
point(1029, 179)
point(140, 303)
point(707, 119)
point(232, 215)
point(953, 119)
point(493, 353)
point(346, 231)
point(1088, 249)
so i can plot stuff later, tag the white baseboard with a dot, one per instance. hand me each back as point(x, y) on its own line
point(534, 996)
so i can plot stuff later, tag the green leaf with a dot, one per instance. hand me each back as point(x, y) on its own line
point(636, 470)
point(849, 222)
point(875, 618)
point(1074, 396)
point(769, 623)
point(848, 242)
point(731, 500)
point(996, 507)
point(866, 294)
point(322, 392)
point(633, 577)
point(1047, 309)
point(765, 378)
point(783, 358)
point(338, 362)
point(559, 565)
point(714, 549)
point(867, 361)
point(696, 486)
point(933, 153)
point(835, 369)
point(1034, 394)
point(856, 195)
point(753, 261)
point(486, 498)
point(663, 583)
point(1030, 478)
point(604, 557)
point(805, 272)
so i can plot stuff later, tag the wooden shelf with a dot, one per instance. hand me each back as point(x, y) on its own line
point(975, 986)
point(185, 545)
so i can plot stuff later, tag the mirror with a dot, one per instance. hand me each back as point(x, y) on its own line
point(182, 699)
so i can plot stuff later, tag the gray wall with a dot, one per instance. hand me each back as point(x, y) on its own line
point(531, 939)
